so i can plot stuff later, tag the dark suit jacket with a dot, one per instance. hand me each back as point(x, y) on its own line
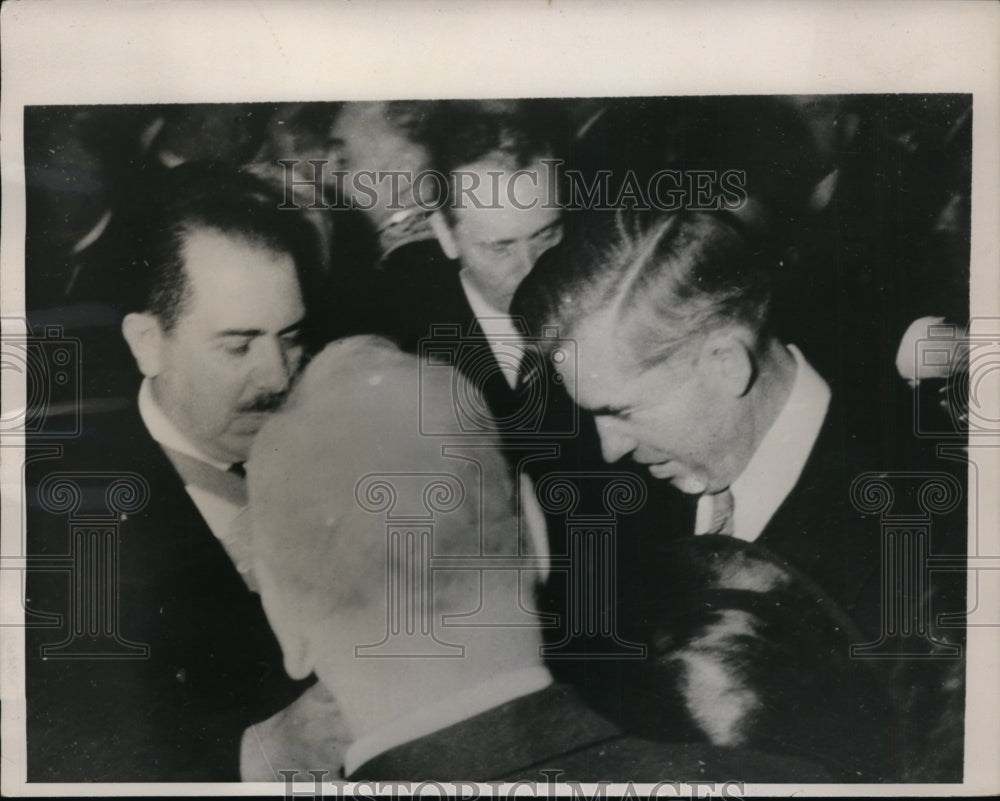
point(213, 665)
point(552, 733)
point(835, 548)
point(821, 531)
point(419, 295)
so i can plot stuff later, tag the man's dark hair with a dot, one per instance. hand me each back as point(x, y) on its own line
point(459, 133)
point(662, 276)
point(747, 652)
point(201, 196)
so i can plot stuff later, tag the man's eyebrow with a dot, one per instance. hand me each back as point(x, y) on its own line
point(298, 325)
point(239, 332)
point(606, 411)
point(257, 332)
point(505, 242)
point(546, 229)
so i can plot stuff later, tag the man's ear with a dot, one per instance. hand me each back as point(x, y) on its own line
point(445, 236)
point(144, 335)
point(295, 641)
point(295, 646)
point(727, 362)
point(289, 621)
point(533, 527)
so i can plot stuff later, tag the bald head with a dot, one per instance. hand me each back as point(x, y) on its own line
point(345, 455)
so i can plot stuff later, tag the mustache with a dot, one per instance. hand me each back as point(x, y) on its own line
point(270, 402)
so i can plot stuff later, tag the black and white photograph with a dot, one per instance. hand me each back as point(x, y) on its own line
point(368, 433)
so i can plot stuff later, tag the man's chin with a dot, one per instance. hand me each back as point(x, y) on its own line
point(248, 424)
point(676, 475)
point(238, 440)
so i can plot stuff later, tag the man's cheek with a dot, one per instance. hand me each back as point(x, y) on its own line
point(294, 359)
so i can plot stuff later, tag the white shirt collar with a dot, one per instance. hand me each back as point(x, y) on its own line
point(776, 465)
point(164, 432)
point(498, 328)
point(454, 709)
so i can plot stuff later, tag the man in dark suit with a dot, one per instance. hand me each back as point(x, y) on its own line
point(680, 364)
point(402, 577)
point(179, 658)
point(497, 211)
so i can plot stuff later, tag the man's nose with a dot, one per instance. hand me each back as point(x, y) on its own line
point(271, 371)
point(615, 443)
point(527, 255)
point(535, 248)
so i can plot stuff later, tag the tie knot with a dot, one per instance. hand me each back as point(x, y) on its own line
point(236, 468)
point(722, 513)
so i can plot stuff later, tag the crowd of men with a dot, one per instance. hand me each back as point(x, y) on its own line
point(483, 439)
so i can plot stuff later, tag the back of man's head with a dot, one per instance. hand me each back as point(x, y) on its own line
point(342, 482)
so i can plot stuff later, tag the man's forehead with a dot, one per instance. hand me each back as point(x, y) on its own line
point(208, 252)
point(201, 242)
point(603, 364)
point(531, 184)
point(365, 132)
point(234, 276)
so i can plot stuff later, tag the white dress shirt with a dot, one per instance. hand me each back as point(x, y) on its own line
point(776, 465)
point(498, 328)
point(220, 514)
point(508, 348)
point(447, 712)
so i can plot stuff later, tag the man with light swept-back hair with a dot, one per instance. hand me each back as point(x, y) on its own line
point(682, 365)
point(679, 363)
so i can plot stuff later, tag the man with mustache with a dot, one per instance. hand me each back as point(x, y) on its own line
point(217, 326)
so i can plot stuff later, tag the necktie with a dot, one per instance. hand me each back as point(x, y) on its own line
point(722, 513)
point(230, 485)
point(227, 484)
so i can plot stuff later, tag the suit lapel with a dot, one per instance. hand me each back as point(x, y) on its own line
point(185, 594)
point(817, 529)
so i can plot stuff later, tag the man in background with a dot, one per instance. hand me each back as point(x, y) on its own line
point(496, 212)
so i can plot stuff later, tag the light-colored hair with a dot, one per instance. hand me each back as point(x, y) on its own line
point(350, 438)
point(662, 277)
